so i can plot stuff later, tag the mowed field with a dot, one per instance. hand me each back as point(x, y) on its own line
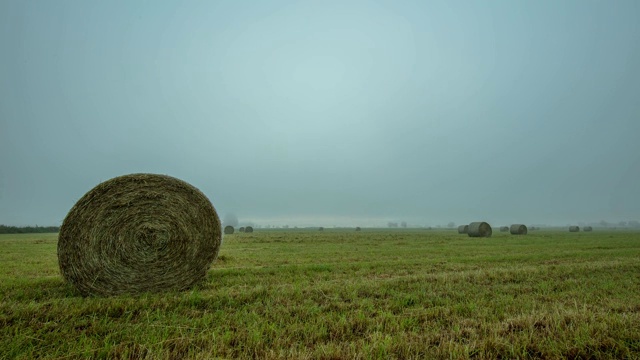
point(341, 294)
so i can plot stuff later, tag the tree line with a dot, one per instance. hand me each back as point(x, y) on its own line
point(4, 229)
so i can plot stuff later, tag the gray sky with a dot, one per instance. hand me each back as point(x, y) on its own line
point(327, 112)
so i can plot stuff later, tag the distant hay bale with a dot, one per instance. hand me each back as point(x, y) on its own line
point(574, 229)
point(588, 228)
point(463, 229)
point(248, 229)
point(504, 228)
point(139, 233)
point(241, 229)
point(320, 228)
point(518, 229)
point(479, 229)
point(358, 228)
point(228, 230)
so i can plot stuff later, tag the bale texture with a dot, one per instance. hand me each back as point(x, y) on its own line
point(504, 228)
point(228, 230)
point(139, 233)
point(588, 228)
point(574, 229)
point(463, 229)
point(518, 229)
point(248, 229)
point(479, 229)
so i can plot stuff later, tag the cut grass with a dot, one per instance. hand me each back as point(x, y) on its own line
point(341, 294)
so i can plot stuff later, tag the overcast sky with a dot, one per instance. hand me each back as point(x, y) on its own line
point(327, 112)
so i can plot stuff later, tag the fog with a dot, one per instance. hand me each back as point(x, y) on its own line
point(327, 113)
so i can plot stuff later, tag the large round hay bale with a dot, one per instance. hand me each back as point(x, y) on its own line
point(248, 229)
point(504, 228)
point(320, 228)
point(588, 228)
point(228, 229)
point(574, 229)
point(138, 233)
point(518, 229)
point(463, 229)
point(241, 229)
point(358, 228)
point(479, 229)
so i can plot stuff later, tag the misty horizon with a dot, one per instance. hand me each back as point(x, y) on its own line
point(332, 113)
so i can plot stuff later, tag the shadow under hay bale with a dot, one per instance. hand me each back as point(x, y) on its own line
point(588, 228)
point(139, 233)
point(228, 230)
point(248, 229)
point(574, 228)
point(463, 229)
point(504, 228)
point(518, 229)
point(479, 229)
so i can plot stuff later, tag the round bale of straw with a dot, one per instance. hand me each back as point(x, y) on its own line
point(504, 228)
point(139, 233)
point(241, 229)
point(574, 228)
point(463, 229)
point(228, 230)
point(248, 229)
point(320, 228)
point(588, 228)
point(358, 228)
point(479, 229)
point(518, 229)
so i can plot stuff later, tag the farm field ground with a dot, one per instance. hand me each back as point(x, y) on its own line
point(341, 294)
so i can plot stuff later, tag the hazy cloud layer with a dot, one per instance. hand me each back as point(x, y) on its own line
point(332, 113)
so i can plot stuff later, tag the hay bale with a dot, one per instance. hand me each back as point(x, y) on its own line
point(138, 233)
point(320, 228)
point(518, 229)
point(479, 229)
point(241, 229)
point(588, 228)
point(228, 230)
point(504, 228)
point(248, 229)
point(463, 229)
point(574, 229)
point(358, 228)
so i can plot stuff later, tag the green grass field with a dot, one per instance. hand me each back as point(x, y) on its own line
point(339, 294)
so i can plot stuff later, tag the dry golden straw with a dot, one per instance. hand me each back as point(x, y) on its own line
point(139, 233)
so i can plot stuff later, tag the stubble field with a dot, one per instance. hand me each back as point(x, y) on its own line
point(340, 294)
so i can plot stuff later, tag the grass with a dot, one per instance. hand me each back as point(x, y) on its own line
point(340, 294)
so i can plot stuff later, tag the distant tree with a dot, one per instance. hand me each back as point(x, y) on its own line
point(451, 225)
point(403, 224)
point(634, 223)
point(603, 223)
point(622, 223)
point(230, 219)
point(392, 224)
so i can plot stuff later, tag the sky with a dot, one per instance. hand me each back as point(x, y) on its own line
point(327, 113)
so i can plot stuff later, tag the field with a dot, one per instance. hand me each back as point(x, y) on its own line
point(340, 294)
